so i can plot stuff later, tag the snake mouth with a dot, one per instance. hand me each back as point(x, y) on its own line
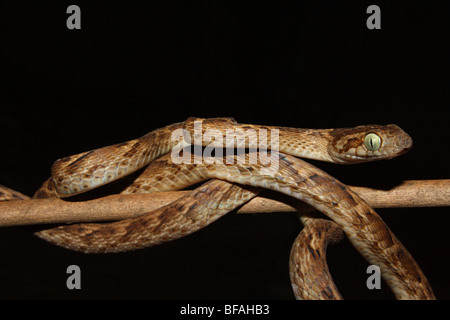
point(405, 149)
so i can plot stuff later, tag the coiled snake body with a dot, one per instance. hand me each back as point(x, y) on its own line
point(234, 182)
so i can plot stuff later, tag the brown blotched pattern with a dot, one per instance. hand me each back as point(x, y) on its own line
point(294, 177)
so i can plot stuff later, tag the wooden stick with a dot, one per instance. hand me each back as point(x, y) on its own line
point(413, 193)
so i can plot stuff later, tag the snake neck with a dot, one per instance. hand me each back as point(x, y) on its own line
point(227, 133)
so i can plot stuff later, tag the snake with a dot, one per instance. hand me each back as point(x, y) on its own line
point(233, 180)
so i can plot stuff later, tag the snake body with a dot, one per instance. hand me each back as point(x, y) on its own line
point(234, 183)
point(308, 254)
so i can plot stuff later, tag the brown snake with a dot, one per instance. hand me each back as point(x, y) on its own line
point(235, 182)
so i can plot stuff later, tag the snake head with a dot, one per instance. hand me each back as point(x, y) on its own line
point(368, 143)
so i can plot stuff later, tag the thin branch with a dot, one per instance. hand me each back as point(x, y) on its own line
point(412, 193)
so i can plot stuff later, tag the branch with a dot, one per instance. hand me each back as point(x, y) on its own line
point(413, 193)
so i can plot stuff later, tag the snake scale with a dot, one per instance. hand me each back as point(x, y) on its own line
point(235, 181)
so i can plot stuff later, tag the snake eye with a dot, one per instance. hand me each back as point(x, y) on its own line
point(372, 141)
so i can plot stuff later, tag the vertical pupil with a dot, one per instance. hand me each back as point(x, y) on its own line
point(372, 142)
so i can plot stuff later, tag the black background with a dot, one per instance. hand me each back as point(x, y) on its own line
point(134, 68)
